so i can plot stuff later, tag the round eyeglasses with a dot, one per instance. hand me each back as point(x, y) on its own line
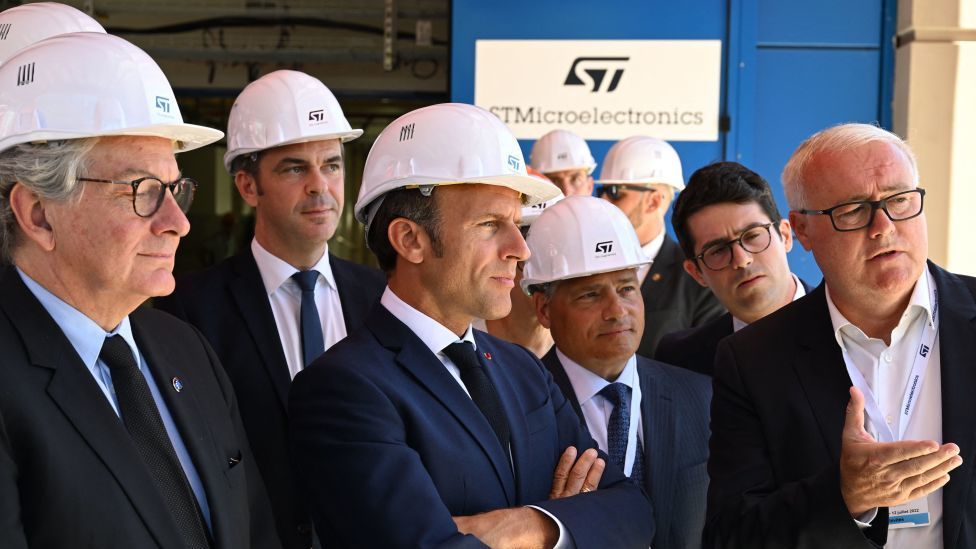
point(148, 193)
point(754, 240)
point(851, 216)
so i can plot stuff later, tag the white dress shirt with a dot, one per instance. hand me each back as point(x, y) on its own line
point(886, 370)
point(436, 337)
point(285, 297)
point(651, 249)
point(597, 408)
point(797, 294)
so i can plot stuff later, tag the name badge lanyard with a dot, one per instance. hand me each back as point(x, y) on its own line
point(915, 380)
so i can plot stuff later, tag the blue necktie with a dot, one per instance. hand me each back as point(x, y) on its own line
point(618, 430)
point(313, 344)
point(480, 387)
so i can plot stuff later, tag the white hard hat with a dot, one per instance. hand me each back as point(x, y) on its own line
point(446, 144)
point(642, 160)
point(531, 213)
point(21, 26)
point(561, 150)
point(580, 236)
point(88, 84)
point(282, 108)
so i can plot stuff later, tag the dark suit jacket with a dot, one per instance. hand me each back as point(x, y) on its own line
point(229, 304)
point(390, 447)
point(781, 390)
point(672, 299)
point(70, 475)
point(674, 410)
point(695, 348)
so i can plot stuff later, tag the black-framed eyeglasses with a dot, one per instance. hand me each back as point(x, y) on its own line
point(613, 191)
point(148, 193)
point(753, 240)
point(851, 216)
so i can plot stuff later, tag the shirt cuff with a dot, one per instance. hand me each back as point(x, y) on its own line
point(864, 521)
point(565, 540)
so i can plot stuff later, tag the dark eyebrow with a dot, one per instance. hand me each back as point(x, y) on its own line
point(289, 161)
point(718, 241)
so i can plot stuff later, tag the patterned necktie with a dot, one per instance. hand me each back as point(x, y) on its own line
point(145, 426)
point(618, 430)
point(313, 343)
point(480, 388)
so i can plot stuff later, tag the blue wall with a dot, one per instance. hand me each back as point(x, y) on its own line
point(791, 67)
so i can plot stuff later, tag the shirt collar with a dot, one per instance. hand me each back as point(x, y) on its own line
point(920, 303)
point(586, 384)
point(276, 271)
point(84, 334)
point(652, 248)
point(800, 292)
point(435, 335)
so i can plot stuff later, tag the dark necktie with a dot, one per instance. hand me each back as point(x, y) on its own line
point(313, 344)
point(618, 430)
point(480, 388)
point(145, 426)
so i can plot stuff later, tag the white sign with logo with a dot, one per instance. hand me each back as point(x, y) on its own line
point(602, 89)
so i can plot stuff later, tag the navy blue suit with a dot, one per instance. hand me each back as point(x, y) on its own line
point(390, 447)
point(694, 348)
point(674, 413)
point(228, 303)
point(781, 391)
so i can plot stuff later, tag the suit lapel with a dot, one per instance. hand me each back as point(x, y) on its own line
point(351, 297)
point(75, 392)
point(819, 366)
point(659, 440)
point(427, 369)
point(662, 266)
point(252, 300)
point(957, 349)
point(551, 362)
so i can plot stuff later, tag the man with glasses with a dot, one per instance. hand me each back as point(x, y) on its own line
point(735, 243)
point(640, 176)
point(799, 457)
point(118, 427)
point(274, 308)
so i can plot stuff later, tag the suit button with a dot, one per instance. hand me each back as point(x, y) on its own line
point(304, 529)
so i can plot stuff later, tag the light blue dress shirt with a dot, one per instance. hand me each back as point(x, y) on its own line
point(87, 338)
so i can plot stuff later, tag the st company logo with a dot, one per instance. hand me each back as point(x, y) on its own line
point(596, 69)
point(316, 116)
point(514, 162)
point(604, 248)
point(162, 103)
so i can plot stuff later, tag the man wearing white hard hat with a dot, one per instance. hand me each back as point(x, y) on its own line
point(640, 176)
point(651, 418)
point(120, 428)
point(565, 159)
point(271, 310)
point(418, 431)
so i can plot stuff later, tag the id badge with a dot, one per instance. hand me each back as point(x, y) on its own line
point(913, 514)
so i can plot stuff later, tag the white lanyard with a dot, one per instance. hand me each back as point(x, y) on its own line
point(912, 389)
point(635, 414)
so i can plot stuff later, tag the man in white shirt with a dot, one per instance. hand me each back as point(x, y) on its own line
point(838, 419)
point(418, 431)
point(650, 418)
point(270, 311)
point(735, 243)
point(641, 176)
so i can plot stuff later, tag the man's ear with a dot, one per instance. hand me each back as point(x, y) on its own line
point(542, 309)
point(654, 201)
point(800, 228)
point(691, 267)
point(786, 233)
point(248, 187)
point(32, 216)
point(410, 240)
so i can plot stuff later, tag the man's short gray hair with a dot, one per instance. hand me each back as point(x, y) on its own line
point(840, 138)
point(49, 170)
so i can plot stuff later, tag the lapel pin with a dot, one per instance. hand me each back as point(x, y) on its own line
point(656, 277)
point(487, 355)
point(177, 384)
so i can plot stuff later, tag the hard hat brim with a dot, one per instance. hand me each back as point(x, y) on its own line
point(638, 182)
point(535, 190)
point(344, 137)
point(525, 283)
point(185, 137)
